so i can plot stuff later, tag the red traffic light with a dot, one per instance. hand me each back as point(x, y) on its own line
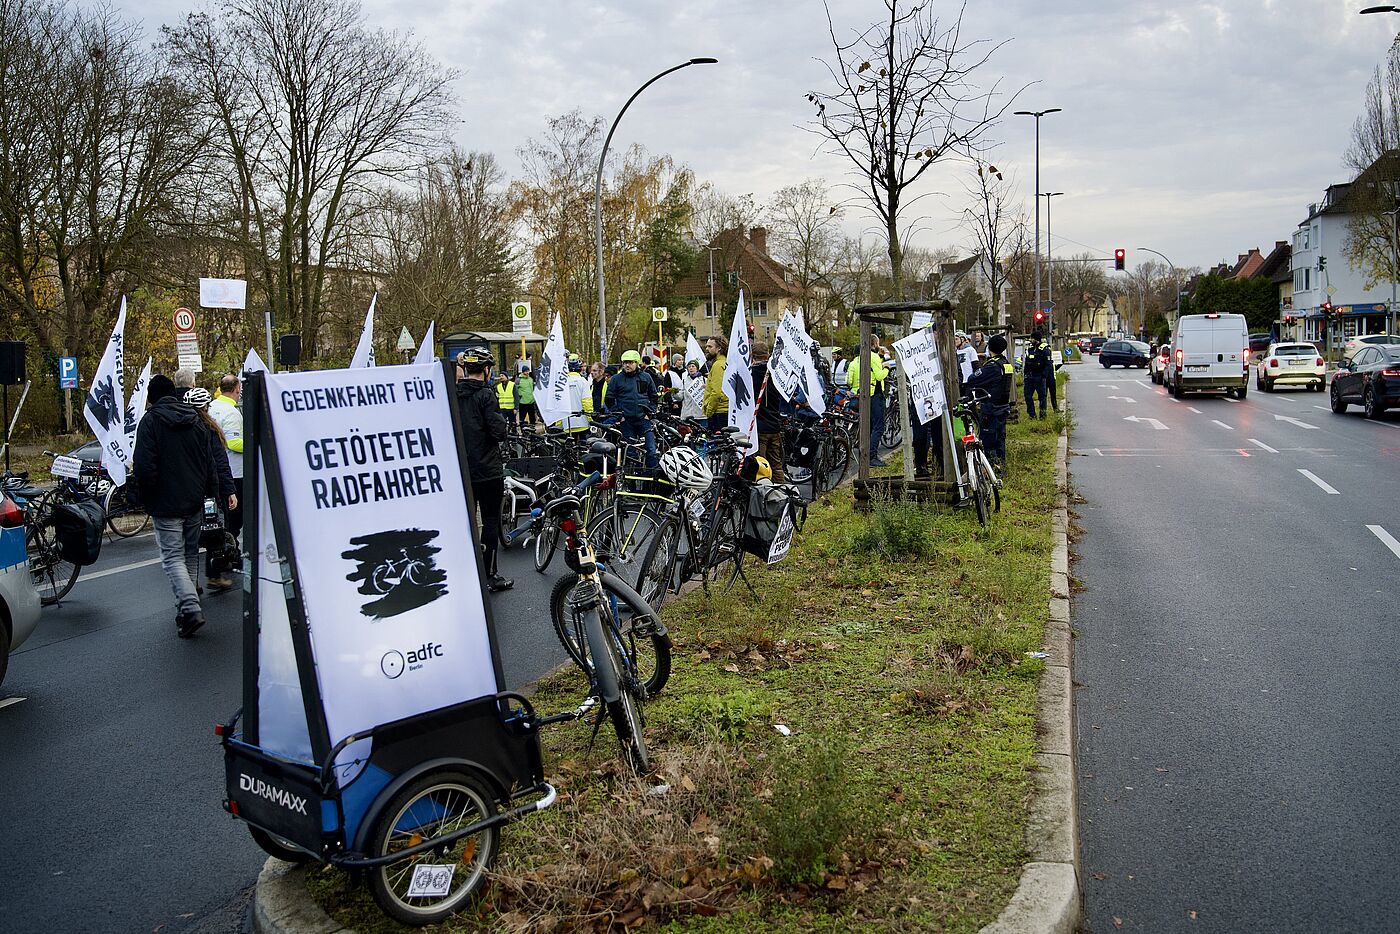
point(1039, 317)
point(1120, 256)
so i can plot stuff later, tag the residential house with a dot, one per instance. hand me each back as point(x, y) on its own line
point(1277, 268)
point(740, 262)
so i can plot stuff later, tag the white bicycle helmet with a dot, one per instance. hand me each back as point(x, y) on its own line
point(686, 469)
point(198, 397)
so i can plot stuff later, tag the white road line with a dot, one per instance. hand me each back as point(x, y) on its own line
point(1326, 487)
point(1223, 425)
point(1386, 538)
point(1191, 407)
point(1280, 398)
point(12, 700)
point(1263, 445)
point(124, 567)
point(1322, 407)
point(1227, 399)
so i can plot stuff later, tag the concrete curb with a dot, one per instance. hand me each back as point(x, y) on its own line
point(1047, 900)
point(281, 905)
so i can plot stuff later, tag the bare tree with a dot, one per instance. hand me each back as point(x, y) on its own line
point(806, 235)
point(905, 98)
point(995, 223)
point(1079, 285)
point(311, 109)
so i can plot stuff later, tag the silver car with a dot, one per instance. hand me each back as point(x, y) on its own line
point(19, 601)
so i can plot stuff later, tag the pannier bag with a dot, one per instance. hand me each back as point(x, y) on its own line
point(78, 529)
point(804, 449)
point(768, 528)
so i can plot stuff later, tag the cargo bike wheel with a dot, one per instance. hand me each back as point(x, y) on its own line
point(427, 887)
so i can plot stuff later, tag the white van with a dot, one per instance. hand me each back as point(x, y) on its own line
point(1210, 353)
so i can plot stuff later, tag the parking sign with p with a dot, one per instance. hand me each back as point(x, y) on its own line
point(67, 372)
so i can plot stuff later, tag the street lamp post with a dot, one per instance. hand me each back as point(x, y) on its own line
point(598, 199)
point(713, 311)
point(1037, 114)
point(1049, 263)
point(1177, 314)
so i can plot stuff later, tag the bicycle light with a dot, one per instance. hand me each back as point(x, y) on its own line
point(11, 516)
point(568, 526)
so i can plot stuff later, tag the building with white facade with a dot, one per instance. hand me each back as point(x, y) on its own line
point(1322, 272)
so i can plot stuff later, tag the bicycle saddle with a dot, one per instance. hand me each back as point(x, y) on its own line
point(734, 430)
point(602, 448)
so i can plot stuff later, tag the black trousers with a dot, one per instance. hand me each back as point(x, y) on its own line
point(216, 565)
point(488, 494)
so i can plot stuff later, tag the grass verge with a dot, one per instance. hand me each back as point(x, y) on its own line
point(893, 647)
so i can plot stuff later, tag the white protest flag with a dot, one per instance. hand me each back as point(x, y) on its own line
point(693, 350)
point(136, 407)
point(552, 381)
point(918, 356)
point(426, 353)
point(253, 363)
point(364, 351)
point(791, 369)
point(104, 407)
point(738, 381)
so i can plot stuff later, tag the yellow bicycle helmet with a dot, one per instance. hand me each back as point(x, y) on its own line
point(762, 470)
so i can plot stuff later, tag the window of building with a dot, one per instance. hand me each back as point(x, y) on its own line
point(1307, 279)
point(731, 278)
point(1307, 237)
point(709, 309)
point(760, 308)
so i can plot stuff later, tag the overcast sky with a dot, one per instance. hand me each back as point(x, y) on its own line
point(1197, 129)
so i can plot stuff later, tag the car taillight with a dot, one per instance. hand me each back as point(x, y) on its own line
point(1180, 355)
point(11, 516)
point(1390, 372)
point(1273, 362)
point(1320, 362)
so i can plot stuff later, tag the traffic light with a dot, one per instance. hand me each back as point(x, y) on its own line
point(1039, 316)
point(1119, 256)
point(1327, 309)
point(1322, 262)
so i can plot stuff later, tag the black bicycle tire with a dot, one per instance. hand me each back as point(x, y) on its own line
point(980, 498)
point(569, 635)
point(831, 478)
point(547, 541)
point(47, 548)
point(127, 509)
point(623, 710)
point(670, 525)
point(272, 845)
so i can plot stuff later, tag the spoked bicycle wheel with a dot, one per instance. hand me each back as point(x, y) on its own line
point(430, 886)
point(645, 640)
point(622, 533)
point(990, 476)
point(836, 461)
point(658, 576)
point(53, 576)
point(610, 676)
point(726, 554)
point(124, 517)
point(545, 542)
point(981, 495)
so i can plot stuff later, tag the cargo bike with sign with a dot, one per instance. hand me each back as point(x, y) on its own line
point(375, 734)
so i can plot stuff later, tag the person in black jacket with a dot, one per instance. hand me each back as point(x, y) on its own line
point(1037, 370)
point(770, 412)
point(175, 467)
point(994, 378)
point(483, 430)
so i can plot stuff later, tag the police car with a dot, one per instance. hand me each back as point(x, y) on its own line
point(19, 601)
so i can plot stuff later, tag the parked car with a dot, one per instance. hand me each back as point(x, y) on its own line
point(1210, 353)
point(19, 601)
point(1096, 344)
point(1371, 379)
point(1124, 353)
point(1157, 366)
point(1260, 341)
point(1292, 363)
point(1353, 344)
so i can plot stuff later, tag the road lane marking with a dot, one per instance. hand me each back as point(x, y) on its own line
point(1194, 409)
point(124, 567)
point(1386, 538)
point(1293, 421)
point(1322, 407)
point(1223, 425)
point(1124, 398)
point(1151, 421)
point(1326, 487)
point(1263, 445)
point(12, 700)
point(1286, 399)
point(1229, 399)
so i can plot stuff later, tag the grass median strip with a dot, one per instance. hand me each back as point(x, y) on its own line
point(853, 752)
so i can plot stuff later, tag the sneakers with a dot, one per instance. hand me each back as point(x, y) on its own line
point(187, 623)
point(877, 462)
point(220, 584)
point(496, 583)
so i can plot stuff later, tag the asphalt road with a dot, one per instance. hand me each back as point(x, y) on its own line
point(110, 776)
point(1235, 660)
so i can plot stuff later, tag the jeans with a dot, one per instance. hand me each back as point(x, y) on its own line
point(1034, 386)
point(178, 540)
point(634, 428)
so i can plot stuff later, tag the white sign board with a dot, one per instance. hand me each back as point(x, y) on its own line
point(782, 541)
point(184, 320)
point(520, 318)
point(659, 315)
point(405, 341)
point(66, 466)
point(920, 319)
point(385, 547)
point(790, 369)
point(190, 361)
point(223, 293)
point(918, 355)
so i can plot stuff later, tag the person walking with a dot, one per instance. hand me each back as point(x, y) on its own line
point(693, 392)
point(1036, 369)
point(225, 412)
point(597, 381)
point(174, 465)
point(769, 412)
point(632, 395)
point(483, 430)
point(199, 399)
point(505, 398)
point(525, 398)
point(716, 402)
point(994, 378)
point(875, 374)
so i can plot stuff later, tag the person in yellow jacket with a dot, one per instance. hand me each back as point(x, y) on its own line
point(876, 376)
point(505, 398)
point(716, 404)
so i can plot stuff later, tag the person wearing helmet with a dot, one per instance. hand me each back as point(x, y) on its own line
point(483, 430)
point(174, 467)
point(631, 395)
point(199, 399)
point(993, 378)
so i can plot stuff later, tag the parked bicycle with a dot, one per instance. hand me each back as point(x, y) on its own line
point(979, 484)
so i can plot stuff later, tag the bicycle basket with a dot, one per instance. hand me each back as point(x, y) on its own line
point(769, 525)
point(647, 481)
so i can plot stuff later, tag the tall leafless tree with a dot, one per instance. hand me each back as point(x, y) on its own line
point(311, 109)
point(805, 234)
point(995, 224)
point(906, 97)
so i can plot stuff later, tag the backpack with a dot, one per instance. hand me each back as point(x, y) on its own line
point(78, 531)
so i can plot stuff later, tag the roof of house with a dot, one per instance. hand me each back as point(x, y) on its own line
point(1276, 266)
point(760, 275)
point(1247, 265)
